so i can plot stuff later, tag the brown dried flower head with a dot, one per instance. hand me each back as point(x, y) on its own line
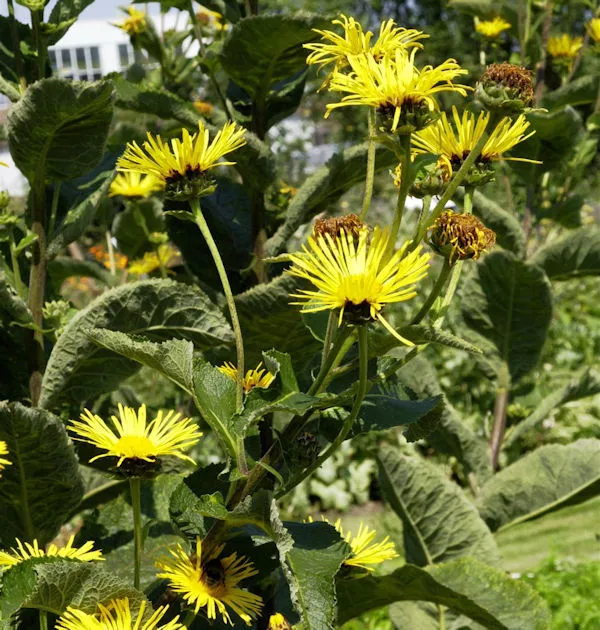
point(506, 87)
point(333, 226)
point(460, 236)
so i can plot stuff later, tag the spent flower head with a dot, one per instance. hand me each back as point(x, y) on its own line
point(460, 236)
point(258, 377)
point(116, 615)
point(356, 276)
point(135, 22)
point(349, 223)
point(183, 164)
point(403, 95)
point(491, 29)
point(25, 551)
point(3, 462)
point(211, 582)
point(506, 88)
point(136, 442)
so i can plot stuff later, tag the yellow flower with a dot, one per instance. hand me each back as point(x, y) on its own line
point(564, 46)
point(593, 28)
point(203, 107)
point(357, 277)
point(135, 23)
point(133, 184)
point(394, 85)
point(135, 438)
point(3, 462)
point(254, 378)
point(183, 162)
point(206, 17)
point(492, 28)
point(165, 254)
point(4, 164)
point(211, 582)
point(453, 147)
point(364, 551)
point(116, 616)
point(25, 551)
point(278, 622)
point(356, 42)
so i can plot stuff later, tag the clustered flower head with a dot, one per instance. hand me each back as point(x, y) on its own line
point(164, 256)
point(258, 377)
point(25, 551)
point(183, 164)
point(134, 185)
point(593, 28)
point(460, 236)
point(349, 223)
point(211, 582)
point(491, 29)
point(564, 48)
point(506, 88)
point(135, 22)
point(358, 276)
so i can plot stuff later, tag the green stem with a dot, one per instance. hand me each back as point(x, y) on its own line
point(452, 186)
point(43, 620)
point(111, 253)
point(363, 352)
point(435, 291)
point(239, 341)
point(54, 208)
point(500, 406)
point(424, 212)
point(370, 165)
point(136, 505)
point(16, 270)
point(341, 337)
point(36, 19)
point(188, 618)
point(15, 43)
point(329, 334)
point(405, 184)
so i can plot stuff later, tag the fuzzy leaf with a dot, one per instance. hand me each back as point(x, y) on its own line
point(440, 523)
point(574, 255)
point(43, 484)
point(63, 15)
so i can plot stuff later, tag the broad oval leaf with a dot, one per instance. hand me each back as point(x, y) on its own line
point(43, 484)
point(440, 523)
point(550, 478)
point(58, 130)
point(466, 586)
point(508, 303)
point(575, 254)
point(156, 309)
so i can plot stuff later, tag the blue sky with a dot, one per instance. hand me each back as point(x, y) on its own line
point(98, 9)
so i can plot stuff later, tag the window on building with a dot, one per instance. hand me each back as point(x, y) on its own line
point(77, 63)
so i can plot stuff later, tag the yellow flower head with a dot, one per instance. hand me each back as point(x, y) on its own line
point(25, 551)
point(135, 23)
point(365, 552)
point(278, 622)
point(492, 28)
point(165, 254)
point(460, 236)
point(211, 582)
point(593, 28)
point(116, 616)
point(254, 378)
point(204, 107)
point(3, 462)
point(564, 46)
point(395, 86)
point(133, 438)
point(133, 184)
point(354, 41)
point(182, 164)
point(356, 276)
point(454, 144)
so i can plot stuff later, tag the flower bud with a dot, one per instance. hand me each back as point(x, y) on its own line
point(460, 236)
point(415, 115)
point(506, 89)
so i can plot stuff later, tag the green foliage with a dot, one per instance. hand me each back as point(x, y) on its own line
point(58, 130)
point(575, 254)
point(43, 485)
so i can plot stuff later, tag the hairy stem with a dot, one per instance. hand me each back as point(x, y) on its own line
point(329, 335)
point(499, 425)
point(435, 291)
point(370, 165)
point(405, 184)
point(136, 505)
point(16, 269)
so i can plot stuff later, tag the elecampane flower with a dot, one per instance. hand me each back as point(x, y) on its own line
point(190, 155)
point(116, 616)
point(492, 28)
point(134, 438)
point(25, 551)
point(454, 143)
point(165, 254)
point(211, 582)
point(365, 552)
point(3, 462)
point(258, 377)
point(278, 622)
point(357, 277)
point(564, 46)
point(132, 184)
point(593, 28)
point(394, 84)
point(135, 23)
point(355, 41)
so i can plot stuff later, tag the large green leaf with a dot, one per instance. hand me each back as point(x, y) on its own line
point(508, 303)
point(63, 15)
point(586, 383)
point(58, 130)
point(156, 309)
point(466, 586)
point(63, 267)
point(325, 186)
point(421, 615)
point(579, 91)
point(312, 564)
point(43, 484)
point(440, 523)
point(575, 254)
point(550, 478)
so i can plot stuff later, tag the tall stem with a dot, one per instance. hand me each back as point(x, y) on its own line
point(405, 183)
point(36, 19)
point(370, 165)
point(239, 341)
point(43, 620)
point(435, 291)
point(111, 253)
point(136, 505)
point(341, 337)
point(16, 269)
point(363, 354)
point(54, 208)
point(15, 43)
point(500, 405)
point(329, 334)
